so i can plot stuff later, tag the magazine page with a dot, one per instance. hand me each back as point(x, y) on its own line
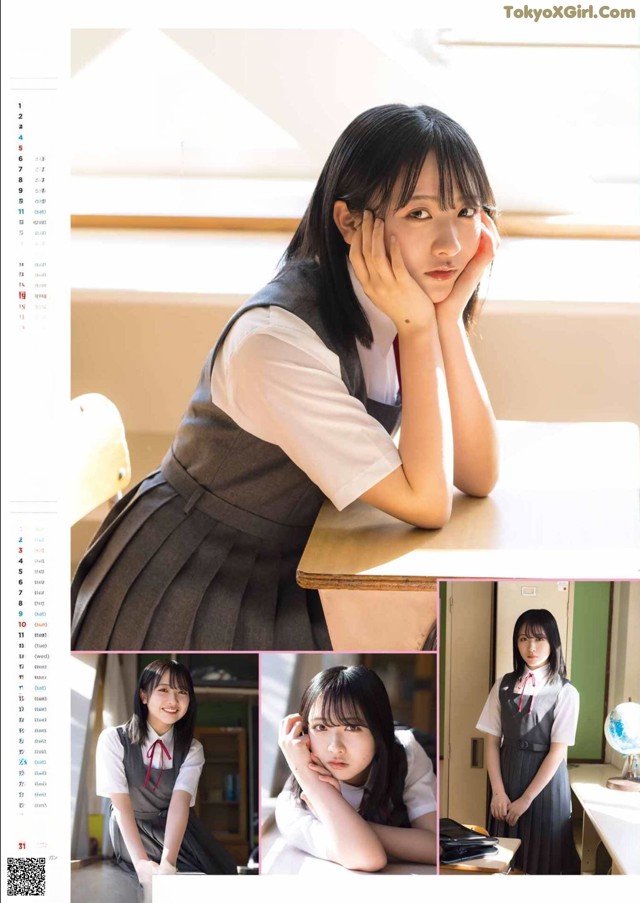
point(321, 447)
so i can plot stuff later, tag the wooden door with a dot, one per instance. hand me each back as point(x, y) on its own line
point(469, 623)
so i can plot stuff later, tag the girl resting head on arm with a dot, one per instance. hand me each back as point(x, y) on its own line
point(360, 792)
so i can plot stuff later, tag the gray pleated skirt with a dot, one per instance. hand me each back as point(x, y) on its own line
point(547, 846)
point(163, 576)
point(199, 851)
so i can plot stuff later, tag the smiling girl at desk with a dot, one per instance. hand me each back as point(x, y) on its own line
point(150, 768)
point(360, 792)
point(299, 398)
point(534, 710)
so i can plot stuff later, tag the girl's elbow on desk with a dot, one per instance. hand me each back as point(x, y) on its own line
point(371, 861)
point(478, 487)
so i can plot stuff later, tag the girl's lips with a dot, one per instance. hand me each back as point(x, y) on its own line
point(337, 764)
point(441, 274)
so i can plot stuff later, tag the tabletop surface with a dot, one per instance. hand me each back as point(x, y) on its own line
point(566, 506)
point(615, 814)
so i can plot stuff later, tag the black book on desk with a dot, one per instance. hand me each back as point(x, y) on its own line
point(458, 843)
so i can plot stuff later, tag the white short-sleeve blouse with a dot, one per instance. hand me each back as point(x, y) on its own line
point(565, 714)
point(110, 774)
point(278, 381)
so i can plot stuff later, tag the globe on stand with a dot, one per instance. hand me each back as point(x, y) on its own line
point(622, 732)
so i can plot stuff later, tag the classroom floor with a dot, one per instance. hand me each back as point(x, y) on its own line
point(103, 881)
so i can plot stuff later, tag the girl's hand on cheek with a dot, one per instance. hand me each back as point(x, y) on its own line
point(294, 743)
point(323, 773)
point(385, 278)
point(469, 278)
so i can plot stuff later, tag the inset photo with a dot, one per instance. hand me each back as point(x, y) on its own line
point(164, 771)
point(348, 763)
point(540, 748)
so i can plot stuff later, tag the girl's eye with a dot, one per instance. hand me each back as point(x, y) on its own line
point(468, 212)
point(318, 727)
point(419, 214)
point(352, 727)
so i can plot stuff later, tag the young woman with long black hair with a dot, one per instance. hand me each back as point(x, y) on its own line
point(299, 399)
point(530, 719)
point(360, 792)
point(150, 768)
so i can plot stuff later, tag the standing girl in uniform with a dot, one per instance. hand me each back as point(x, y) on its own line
point(531, 717)
point(360, 792)
point(299, 399)
point(150, 768)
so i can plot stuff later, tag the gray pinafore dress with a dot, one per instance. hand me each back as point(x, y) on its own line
point(203, 553)
point(150, 793)
point(545, 828)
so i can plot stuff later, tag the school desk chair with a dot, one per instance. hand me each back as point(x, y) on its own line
point(99, 464)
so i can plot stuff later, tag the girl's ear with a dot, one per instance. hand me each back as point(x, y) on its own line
point(346, 221)
point(143, 697)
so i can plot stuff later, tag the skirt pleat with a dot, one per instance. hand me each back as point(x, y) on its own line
point(199, 850)
point(162, 576)
point(547, 846)
point(255, 630)
point(144, 602)
point(217, 617)
point(127, 555)
point(175, 612)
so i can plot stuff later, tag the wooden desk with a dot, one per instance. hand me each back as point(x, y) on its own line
point(277, 857)
point(565, 506)
point(611, 817)
point(500, 863)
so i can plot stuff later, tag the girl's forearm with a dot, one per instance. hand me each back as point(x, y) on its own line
point(474, 427)
point(421, 490)
point(426, 441)
point(492, 746)
point(128, 827)
point(408, 844)
point(177, 818)
point(548, 768)
point(350, 839)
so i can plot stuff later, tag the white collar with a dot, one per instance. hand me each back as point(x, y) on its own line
point(382, 326)
point(542, 671)
point(152, 736)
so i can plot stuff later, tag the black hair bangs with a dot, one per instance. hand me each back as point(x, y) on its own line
point(461, 173)
point(336, 706)
point(177, 677)
point(533, 629)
